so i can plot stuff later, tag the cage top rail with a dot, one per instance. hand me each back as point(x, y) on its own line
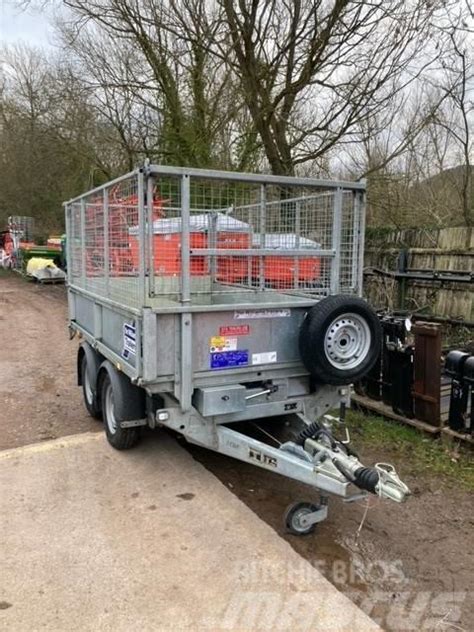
point(102, 187)
point(255, 178)
point(235, 176)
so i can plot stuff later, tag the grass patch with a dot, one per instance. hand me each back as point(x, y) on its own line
point(420, 452)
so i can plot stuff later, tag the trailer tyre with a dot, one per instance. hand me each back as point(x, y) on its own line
point(340, 339)
point(91, 397)
point(119, 438)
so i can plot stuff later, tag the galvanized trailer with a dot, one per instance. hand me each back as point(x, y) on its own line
point(210, 298)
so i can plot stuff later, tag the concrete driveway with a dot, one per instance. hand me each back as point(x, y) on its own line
point(94, 539)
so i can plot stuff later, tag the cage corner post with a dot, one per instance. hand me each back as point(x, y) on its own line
point(106, 242)
point(362, 202)
point(186, 346)
point(149, 188)
point(336, 242)
point(142, 238)
point(263, 237)
point(83, 244)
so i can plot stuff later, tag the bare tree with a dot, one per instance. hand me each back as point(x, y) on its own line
point(311, 72)
point(130, 116)
point(174, 73)
point(48, 136)
point(459, 89)
point(378, 89)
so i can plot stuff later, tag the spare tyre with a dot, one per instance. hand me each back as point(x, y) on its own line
point(340, 339)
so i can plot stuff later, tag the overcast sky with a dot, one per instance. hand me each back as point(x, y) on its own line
point(31, 27)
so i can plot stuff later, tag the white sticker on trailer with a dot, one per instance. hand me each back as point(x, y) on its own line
point(129, 340)
point(262, 313)
point(264, 358)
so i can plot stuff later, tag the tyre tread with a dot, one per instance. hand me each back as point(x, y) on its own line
point(123, 438)
point(93, 409)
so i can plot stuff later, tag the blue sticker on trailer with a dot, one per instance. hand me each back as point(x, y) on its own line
point(229, 359)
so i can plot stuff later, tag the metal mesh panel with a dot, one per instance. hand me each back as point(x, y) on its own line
point(103, 242)
point(75, 245)
point(281, 221)
point(220, 222)
point(349, 249)
point(94, 246)
point(164, 236)
point(176, 234)
point(124, 239)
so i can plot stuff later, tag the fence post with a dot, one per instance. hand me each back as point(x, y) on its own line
point(427, 374)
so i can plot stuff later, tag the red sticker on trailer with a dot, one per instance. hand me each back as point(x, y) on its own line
point(234, 330)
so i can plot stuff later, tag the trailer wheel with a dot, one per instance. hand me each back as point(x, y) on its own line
point(119, 438)
point(340, 339)
point(293, 518)
point(91, 398)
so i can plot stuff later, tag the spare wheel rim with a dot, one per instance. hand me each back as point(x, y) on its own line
point(347, 341)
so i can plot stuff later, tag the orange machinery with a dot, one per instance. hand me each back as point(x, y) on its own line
point(230, 233)
point(123, 213)
point(281, 271)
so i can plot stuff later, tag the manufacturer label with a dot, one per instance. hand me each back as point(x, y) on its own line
point(221, 343)
point(234, 330)
point(129, 343)
point(264, 358)
point(262, 458)
point(228, 359)
point(262, 313)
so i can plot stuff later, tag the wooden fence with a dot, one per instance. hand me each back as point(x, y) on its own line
point(447, 255)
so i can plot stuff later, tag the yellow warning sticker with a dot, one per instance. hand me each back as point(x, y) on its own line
point(221, 343)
